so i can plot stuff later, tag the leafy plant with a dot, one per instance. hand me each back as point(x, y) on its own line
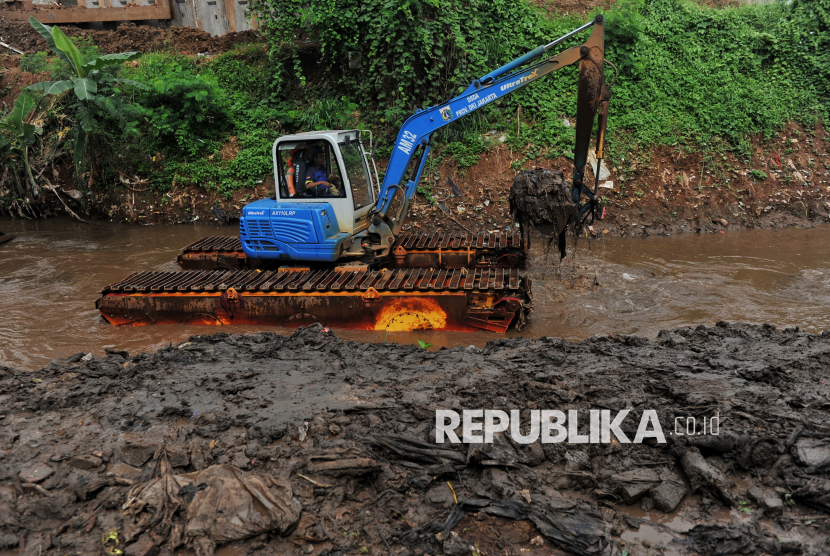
point(35, 63)
point(466, 153)
point(88, 78)
point(244, 71)
point(186, 111)
point(23, 136)
point(423, 345)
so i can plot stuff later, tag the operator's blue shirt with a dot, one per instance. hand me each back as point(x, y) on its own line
point(314, 174)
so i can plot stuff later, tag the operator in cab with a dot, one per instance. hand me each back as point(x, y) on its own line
point(317, 182)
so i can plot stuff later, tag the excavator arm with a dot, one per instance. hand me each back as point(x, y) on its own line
point(413, 142)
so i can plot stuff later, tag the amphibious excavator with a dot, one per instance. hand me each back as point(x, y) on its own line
point(326, 247)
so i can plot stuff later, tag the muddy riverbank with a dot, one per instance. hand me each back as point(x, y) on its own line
point(341, 435)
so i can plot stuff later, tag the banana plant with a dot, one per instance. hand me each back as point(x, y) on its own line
point(86, 83)
point(23, 134)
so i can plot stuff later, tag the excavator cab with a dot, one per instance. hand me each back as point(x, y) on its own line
point(312, 223)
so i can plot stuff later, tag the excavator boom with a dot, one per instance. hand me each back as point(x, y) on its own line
point(413, 141)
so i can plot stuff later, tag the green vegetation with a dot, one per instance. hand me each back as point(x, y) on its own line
point(687, 73)
point(95, 99)
point(690, 76)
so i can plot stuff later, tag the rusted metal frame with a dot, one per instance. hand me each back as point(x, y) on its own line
point(484, 283)
point(168, 277)
point(456, 241)
point(455, 279)
point(126, 282)
point(304, 277)
point(289, 278)
point(182, 278)
point(485, 320)
point(200, 245)
point(413, 279)
point(217, 281)
point(196, 285)
point(343, 277)
point(422, 241)
point(440, 280)
point(367, 282)
point(383, 283)
point(208, 245)
point(479, 240)
point(158, 285)
point(196, 277)
point(514, 279)
point(316, 279)
point(502, 240)
point(206, 280)
point(469, 283)
point(469, 240)
point(402, 275)
point(425, 281)
point(262, 278)
point(273, 279)
point(433, 243)
point(328, 281)
point(356, 280)
point(230, 279)
point(413, 239)
point(242, 281)
point(230, 244)
point(401, 239)
point(445, 241)
point(205, 277)
point(147, 282)
point(499, 285)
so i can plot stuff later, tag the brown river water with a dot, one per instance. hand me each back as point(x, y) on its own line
point(51, 274)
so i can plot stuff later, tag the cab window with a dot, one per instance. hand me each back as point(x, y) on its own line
point(358, 172)
point(308, 169)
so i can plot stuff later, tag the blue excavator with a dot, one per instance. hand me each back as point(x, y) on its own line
point(329, 244)
point(341, 220)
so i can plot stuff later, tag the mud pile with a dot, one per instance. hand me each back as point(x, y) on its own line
point(94, 452)
point(129, 37)
point(541, 200)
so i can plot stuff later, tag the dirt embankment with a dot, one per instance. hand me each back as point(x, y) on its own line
point(655, 192)
point(661, 190)
point(335, 442)
point(129, 37)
